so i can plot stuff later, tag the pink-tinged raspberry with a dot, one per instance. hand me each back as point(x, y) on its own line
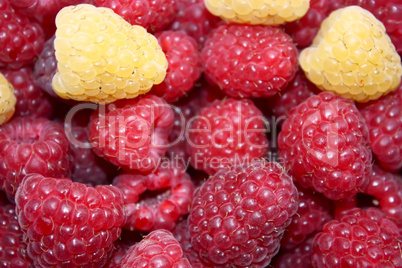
point(119, 252)
point(31, 101)
point(195, 19)
point(384, 121)
point(157, 249)
point(169, 195)
point(238, 216)
point(21, 39)
point(68, 224)
point(11, 243)
point(324, 145)
point(314, 211)
point(228, 132)
point(359, 239)
point(133, 133)
point(29, 145)
point(298, 257)
point(184, 65)
point(249, 61)
point(298, 90)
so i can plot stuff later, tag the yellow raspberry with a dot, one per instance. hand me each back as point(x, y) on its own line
point(102, 58)
point(352, 56)
point(265, 12)
point(7, 100)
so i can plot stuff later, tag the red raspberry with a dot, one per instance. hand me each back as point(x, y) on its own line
point(31, 101)
point(298, 257)
point(30, 145)
point(323, 143)
point(157, 249)
point(67, 223)
point(226, 133)
point(119, 252)
point(195, 19)
point(184, 65)
point(359, 239)
point(169, 197)
point(314, 211)
point(21, 39)
point(238, 216)
point(132, 133)
point(384, 121)
point(249, 61)
point(11, 243)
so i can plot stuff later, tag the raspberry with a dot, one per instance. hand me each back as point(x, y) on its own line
point(7, 100)
point(226, 133)
point(352, 56)
point(267, 12)
point(249, 61)
point(31, 101)
point(298, 257)
point(67, 223)
point(384, 121)
point(132, 133)
point(157, 249)
point(29, 145)
point(238, 216)
point(120, 250)
point(101, 57)
point(11, 242)
point(184, 65)
point(21, 39)
point(314, 211)
point(359, 239)
point(323, 143)
point(169, 197)
point(194, 19)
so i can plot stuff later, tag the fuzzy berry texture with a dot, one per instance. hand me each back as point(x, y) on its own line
point(31, 100)
point(29, 145)
point(21, 39)
point(11, 243)
point(238, 216)
point(359, 239)
point(298, 257)
point(314, 211)
point(119, 252)
point(384, 121)
point(228, 132)
point(157, 200)
point(67, 223)
point(249, 61)
point(157, 249)
point(324, 145)
point(132, 134)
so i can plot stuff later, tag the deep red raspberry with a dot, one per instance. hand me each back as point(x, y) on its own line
point(169, 195)
point(249, 61)
point(384, 121)
point(324, 144)
point(30, 145)
point(298, 257)
point(194, 19)
point(157, 249)
point(314, 211)
point(184, 65)
point(132, 133)
point(226, 133)
point(238, 216)
point(31, 100)
point(120, 250)
point(67, 223)
point(21, 39)
point(11, 243)
point(359, 239)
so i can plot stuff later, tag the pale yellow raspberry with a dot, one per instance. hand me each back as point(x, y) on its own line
point(264, 12)
point(102, 58)
point(7, 100)
point(352, 56)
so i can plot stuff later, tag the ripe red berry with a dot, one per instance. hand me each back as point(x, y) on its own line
point(249, 61)
point(119, 252)
point(238, 215)
point(298, 257)
point(67, 223)
point(324, 144)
